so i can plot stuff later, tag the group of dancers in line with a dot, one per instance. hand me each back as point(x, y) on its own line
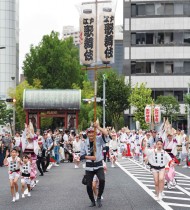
point(160, 150)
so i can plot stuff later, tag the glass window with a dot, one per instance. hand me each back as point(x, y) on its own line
point(178, 37)
point(140, 67)
point(150, 9)
point(168, 39)
point(169, 9)
point(178, 67)
point(133, 39)
point(168, 68)
point(159, 9)
point(150, 67)
point(160, 38)
point(133, 10)
point(158, 93)
point(187, 66)
point(141, 9)
point(133, 67)
point(178, 9)
point(187, 37)
point(140, 38)
point(168, 93)
point(159, 67)
point(150, 38)
point(186, 9)
point(178, 95)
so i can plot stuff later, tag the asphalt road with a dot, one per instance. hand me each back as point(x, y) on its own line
point(61, 189)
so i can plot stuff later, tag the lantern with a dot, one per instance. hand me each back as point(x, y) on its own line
point(87, 37)
point(157, 115)
point(148, 114)
point(106, 35)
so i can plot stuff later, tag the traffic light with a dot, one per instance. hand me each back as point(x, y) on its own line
point(9, 100)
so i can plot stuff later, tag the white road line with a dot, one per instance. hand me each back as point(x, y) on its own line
point(180, 180)
point(178, 204)
point(147, 181)
point(171, 192)
point(147, 190)
point(144, 178)
point(176, 198)
point(183, 175)
point(183, 184)
point(183, 190)
point(187, 188)
point(143, 175)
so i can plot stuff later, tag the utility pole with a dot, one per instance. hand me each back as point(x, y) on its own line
point(104, 100)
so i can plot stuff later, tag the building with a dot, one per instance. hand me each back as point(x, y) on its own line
point(70, 31)
point(157, 46)
point(9, 38)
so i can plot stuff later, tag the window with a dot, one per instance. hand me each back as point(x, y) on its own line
point(178, 9)
point(140, 38)
point(169, 9)
point(168, 39)
point(168, 93)
point(150, 38)
point(150, 69)
point(133, 67)
point(178, 95)
point(133, 39)
point(141, 10)
point(187, 37)
point(178, 37)
point(159, 9)
point(186, 9)
point(160, 38)
point(187, 66)
point(159, 67)
point(178, 67)
point(168, 68)
point(150, 9)
point(158, 93)
point(140, 67)
point(133, 10)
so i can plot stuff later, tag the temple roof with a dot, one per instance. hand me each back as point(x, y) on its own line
point(52, 99)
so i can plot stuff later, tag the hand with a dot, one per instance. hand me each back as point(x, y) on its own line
point(93, 158)
point(96, 124)
point(7, 153)
point(25, 125)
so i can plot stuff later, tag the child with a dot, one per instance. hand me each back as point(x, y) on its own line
point(25, 176)
point(13, 163)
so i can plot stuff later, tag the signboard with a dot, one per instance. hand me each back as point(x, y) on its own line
point(87, 37)
point(148, 114)
point(157, 115)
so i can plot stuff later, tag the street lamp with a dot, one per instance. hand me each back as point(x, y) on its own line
point(104, 100)
point(14, 111)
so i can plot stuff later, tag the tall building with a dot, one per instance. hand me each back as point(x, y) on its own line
point(157, 46)
point(70, 31)
point(9, 38)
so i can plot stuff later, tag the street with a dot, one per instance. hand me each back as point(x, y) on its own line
point(61, 188)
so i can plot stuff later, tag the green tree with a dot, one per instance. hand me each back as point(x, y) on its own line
point(140, 97)
point(117, 95)
point(169, 106)
point(6, 114)
point(55, 62)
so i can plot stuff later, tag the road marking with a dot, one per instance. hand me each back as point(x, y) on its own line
point(144, 178)
point(183, 190)
point(183, 184)
point(178, 204)
point(147, 190)
point(172, 192)
point(176, 198)
point(187, 188)
point(180, 180)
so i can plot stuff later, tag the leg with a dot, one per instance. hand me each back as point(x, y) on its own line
point(47, 161)
point(90, 176)
point(28, 186)
point(38, 163)
point(94, 187)
point(12, 187)
point(16, 184)
point(23, 186)
point(156, 182)
point(161, 180)
point(101, 177)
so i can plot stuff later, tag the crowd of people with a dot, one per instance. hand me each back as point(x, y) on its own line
point(25, 153)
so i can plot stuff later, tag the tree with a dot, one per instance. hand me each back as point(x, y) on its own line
point(140, 97)
point(55, 62)
point(117, 95)
point(169, 106)
point(6, 114)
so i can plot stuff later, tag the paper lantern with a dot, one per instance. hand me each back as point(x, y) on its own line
point(106, 35)
point(157, 115)
point(148, 111)
point(87, 37)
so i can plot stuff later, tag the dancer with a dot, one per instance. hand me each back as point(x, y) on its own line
point(76, 150)
point(158, 159)
point(13, 162)
point(113, 149)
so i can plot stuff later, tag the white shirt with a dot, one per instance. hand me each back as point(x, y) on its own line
point(65, 137)
point(157, 158)
point(17, 141)
point(26, 168)
point(113, 144)
point(13, 164)
point(77, 146)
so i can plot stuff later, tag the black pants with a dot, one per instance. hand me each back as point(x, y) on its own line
point(101, 176)
point(106, 149)
point(47, 162)
point(41, 165)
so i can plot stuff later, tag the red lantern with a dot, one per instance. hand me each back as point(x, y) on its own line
point(148, 114)
point(157, 115)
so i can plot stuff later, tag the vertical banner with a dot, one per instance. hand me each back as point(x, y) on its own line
point(106, 35)
point(71, 121)
point(157, 114)
point(147, 114)
point(87, 37)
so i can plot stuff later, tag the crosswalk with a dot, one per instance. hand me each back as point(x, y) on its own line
point(175, 199)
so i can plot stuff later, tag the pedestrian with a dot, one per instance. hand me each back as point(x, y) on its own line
point(91, 151)
point(25, 176)
point(7, 143)
point(1, 151)
point(158, 159)
point(113, 146)
point(48, 145)
point(41, 159)
point(76, 150)
point(13, 163)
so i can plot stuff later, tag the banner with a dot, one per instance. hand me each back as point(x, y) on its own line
point(147, 114)
point(157, 114)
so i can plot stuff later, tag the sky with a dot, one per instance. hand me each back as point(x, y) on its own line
point(40, 17)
